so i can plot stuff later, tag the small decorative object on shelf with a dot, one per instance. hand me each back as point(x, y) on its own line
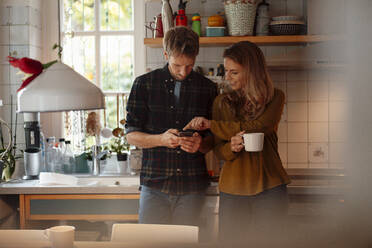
point(167, 16)
point(240, 15)
point(196, 25)
point(263, 19)
point(181, 18)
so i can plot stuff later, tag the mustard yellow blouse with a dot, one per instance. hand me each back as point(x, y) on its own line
point(249, 173)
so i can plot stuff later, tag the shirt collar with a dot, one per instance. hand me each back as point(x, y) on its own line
point(169, 77)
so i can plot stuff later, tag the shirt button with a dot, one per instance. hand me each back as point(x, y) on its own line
point(171, 80)
point(177, 122)
point(171, 107)
point(178, 152)
point(178, 170)
point(171, 91)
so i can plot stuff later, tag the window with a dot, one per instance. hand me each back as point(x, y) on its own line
point(98, 40)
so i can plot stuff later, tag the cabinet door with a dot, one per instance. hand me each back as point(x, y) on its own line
point(81, 207)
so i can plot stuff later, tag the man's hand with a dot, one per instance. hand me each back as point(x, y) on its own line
point(191, 144)
point(170, 138)
point(236, 143)
point(198, 123)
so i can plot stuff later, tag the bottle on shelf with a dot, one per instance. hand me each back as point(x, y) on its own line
point(196, 25)
point(68, 159)
point(50, 154)
point(181, 18)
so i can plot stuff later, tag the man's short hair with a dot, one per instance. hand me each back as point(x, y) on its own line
point(181, 41)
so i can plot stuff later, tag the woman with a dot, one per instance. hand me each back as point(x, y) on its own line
point(253, 194)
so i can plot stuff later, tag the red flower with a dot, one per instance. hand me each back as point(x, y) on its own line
point(26, 65)
point(29, 66)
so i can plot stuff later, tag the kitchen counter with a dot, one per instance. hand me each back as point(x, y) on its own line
point(306, 182)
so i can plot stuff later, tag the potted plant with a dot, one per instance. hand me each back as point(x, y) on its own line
point(120, 146)
point(8, 155)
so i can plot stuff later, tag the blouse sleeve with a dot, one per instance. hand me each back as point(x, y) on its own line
point(266, 122)
point(222, 148)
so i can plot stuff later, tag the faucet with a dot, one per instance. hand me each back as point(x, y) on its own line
point(96, 157)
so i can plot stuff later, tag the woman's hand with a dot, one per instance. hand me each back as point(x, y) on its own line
point(236, 143)
point(191, 144)
point(198, 123)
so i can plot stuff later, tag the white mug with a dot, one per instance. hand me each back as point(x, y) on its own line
point(253, 142)
point(61, 236)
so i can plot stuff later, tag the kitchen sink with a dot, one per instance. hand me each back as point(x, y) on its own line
point(108, 181)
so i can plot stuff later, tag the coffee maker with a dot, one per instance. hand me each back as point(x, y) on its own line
point(32, 155)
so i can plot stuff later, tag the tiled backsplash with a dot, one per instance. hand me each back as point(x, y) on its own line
point(20, 36)
point(312, 129)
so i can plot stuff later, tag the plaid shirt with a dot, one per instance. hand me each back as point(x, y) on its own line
point(152, 109)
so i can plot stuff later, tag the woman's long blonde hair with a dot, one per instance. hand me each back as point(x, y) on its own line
point(257, 89)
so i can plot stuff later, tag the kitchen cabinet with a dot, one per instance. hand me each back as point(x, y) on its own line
point(93, 207)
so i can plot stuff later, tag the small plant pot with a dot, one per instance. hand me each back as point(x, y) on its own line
point(122, 157)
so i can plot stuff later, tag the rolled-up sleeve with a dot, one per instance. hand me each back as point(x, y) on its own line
point(137, 108)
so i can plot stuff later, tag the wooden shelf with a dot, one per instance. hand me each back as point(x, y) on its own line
point(259, 40)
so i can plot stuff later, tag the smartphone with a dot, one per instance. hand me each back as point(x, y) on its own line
point(186, 133)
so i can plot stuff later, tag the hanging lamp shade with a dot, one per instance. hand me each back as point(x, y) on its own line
point(60, 88)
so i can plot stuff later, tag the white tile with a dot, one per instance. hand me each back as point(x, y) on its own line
point(297, 153)
point(152, 55)
point(318, 152)
point(35, 18)
point(282, 132)
point(284, 116)
point(19, 51)
point(338, 111)
point(5, 34)
point(297, 132)
point(295, 7)
point(35, 4)
point(296, 76)
point(318, 75)
point(282, 149)
point(35, 36)
point(36, 53)
point(338, 132)
point(318, 91)
point(278, 76)
point(338, 90)
point(16, 77)
point(273, 52)
point(298, 165)
point(318, 166)
point(318, 131)
point(19, 15)
point(4, 74)
point(19, 35)
point(297, 111)
point(213, 54)
point(5, 93)
point(337, 165)
point(5, 114)
point(297, 91)
point(277, 7)
point(281, 86)
point(337, 152)
point(4, 52)
point(318, 111)
point(4, 15)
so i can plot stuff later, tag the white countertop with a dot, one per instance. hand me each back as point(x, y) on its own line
point(308, 182)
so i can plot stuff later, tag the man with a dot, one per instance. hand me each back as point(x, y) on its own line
point(173, 175)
